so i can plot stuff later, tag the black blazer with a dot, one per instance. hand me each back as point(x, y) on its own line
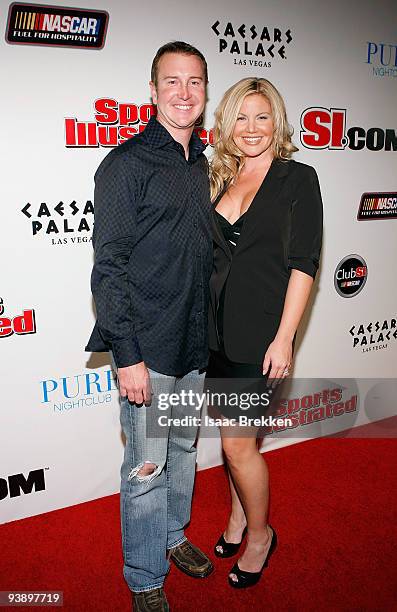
point(282, 230)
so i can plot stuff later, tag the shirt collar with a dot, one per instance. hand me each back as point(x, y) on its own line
point(157, 136)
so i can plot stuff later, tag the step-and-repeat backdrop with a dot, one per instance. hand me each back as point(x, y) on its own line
point(74, 85)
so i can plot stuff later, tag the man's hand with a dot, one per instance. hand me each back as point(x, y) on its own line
point(134, 383)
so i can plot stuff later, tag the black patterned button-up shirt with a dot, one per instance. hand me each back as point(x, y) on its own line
point(153, 253)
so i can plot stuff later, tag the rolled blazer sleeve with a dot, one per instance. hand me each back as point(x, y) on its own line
point(113, 240)
point(306, 224)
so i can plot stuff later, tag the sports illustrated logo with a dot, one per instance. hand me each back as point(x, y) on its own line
point(61, 223)
point(21, 325)
point(378, 206)
point(255, 45)
point(301, 411)
point(55, 26)
point(15, 485)
point(78, 391)
point(383, 59)
point(350, 276)
point(325, 128)
point(373, 336)
point(114, 123)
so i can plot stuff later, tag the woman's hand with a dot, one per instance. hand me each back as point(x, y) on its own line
point(278, 357)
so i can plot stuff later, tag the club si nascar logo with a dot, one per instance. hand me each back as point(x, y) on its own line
point(42, 24)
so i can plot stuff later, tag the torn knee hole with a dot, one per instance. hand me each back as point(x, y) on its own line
point(147, 469)
point(144, 472)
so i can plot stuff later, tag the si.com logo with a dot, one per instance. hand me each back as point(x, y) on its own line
point(16, 484)
point(350, 276)
point(41, 24)
point(325, 128)
point(20, 325)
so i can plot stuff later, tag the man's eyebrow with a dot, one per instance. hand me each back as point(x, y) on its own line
point(176, 77)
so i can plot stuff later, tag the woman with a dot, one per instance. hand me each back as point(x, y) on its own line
point(267, 234)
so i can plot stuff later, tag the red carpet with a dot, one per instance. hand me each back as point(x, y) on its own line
point(333, 505)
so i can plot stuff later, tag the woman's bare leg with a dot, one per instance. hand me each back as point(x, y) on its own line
point(250, 476)
point(237, 521)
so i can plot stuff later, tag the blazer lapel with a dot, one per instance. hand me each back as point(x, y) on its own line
point(265, 196)
point(216, 230)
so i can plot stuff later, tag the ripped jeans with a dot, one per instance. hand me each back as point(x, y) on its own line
point(156, 507)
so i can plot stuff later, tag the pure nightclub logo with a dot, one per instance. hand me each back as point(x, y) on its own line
point(383, 59)
point(78, 391)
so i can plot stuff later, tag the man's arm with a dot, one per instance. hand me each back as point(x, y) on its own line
point(113, 238)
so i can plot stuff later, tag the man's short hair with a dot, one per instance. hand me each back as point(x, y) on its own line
point(176, 46)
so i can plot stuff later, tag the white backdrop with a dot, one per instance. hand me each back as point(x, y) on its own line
point(59, 407)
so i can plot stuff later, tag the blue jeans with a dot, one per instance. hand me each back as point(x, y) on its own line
point(155, 508)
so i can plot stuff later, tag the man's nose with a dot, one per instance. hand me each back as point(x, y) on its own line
point(184, 92)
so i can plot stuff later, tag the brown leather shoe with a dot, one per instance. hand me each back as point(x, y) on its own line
point(151, 601)
point(191, 560)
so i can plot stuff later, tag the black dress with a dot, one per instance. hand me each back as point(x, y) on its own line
point(230, 377)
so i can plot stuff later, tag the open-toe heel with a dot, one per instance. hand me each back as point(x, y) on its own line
point(227, 549)
point(247, 579)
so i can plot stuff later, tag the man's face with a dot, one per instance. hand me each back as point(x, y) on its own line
point(180, 91)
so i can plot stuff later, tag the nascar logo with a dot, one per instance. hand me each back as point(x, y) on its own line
point(378, 206)
point(54, 25)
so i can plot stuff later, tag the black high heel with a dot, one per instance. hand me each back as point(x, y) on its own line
point(247, 579)
point(228, 548)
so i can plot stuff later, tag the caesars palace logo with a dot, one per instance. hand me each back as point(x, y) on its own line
point(373, 335)
point(252, 45)
point(114, 122)
point(61, 223)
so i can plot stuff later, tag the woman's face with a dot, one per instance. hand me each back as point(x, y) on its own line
point(253, 132)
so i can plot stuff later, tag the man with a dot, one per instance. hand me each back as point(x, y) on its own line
point(153, 257)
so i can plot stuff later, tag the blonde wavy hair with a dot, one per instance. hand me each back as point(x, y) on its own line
point(227, 160)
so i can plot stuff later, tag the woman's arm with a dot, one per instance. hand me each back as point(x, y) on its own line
point(279, 354)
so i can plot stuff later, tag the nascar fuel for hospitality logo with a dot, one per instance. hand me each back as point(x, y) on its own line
point(325, 128)
point(377, 205)
point(42, 24)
